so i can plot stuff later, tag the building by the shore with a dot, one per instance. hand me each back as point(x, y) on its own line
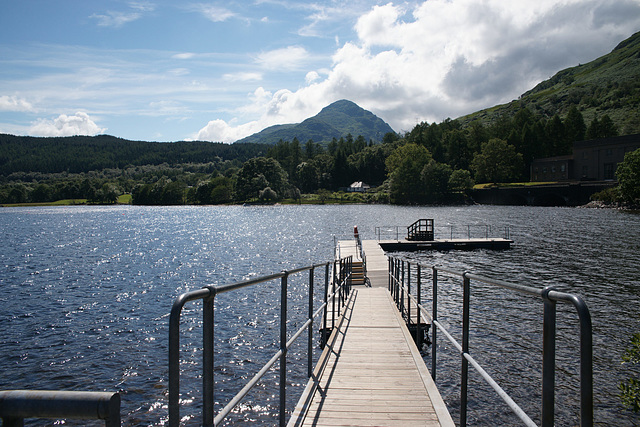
point(593, 160)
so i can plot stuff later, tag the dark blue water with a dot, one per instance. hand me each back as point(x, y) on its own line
point(86, 293)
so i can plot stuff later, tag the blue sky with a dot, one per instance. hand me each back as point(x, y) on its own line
point(168, 71)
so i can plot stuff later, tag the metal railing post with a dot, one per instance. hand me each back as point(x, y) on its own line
point(333, 297)
point(349, 277)
point(390, 263)
point(548, 359)
point(465, 349)
point(586, 363)
point(310, 331)
point(434, 318)
point(402, 290)
point(392, 276)
point(174, 367)
point(586, 355)
point(394, 279)
point(409, 292)
point(340, 285)
point(419, 299)
point(283, 348)
point(326, 305)
point(207, 361)
point(398, 276)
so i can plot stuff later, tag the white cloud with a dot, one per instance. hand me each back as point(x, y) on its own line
point(374, 27)
point(447, 58)
point(212, 13)
point(143, 6)
point(283, 106)
point(288, 58)
point(185, 55)
point(13, 103)
point(220, 131)
point(117, 19)
point(242, 77)
point(311, 77)
point(78, 124)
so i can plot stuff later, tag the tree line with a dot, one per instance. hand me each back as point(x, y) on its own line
point(432, 163)
point(84, 154)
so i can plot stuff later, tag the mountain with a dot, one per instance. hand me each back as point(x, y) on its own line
point(334, 121)
point(608, 85)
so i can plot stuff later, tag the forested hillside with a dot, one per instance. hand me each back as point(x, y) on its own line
point(90, 153)
point(609, 85)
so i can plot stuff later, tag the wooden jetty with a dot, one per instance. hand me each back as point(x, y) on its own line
point(370, 372)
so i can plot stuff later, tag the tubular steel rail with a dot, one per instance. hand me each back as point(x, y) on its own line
point(446, 231)
point(422, 229)
point(341, 286)
point(16, 405)
point(400, 288)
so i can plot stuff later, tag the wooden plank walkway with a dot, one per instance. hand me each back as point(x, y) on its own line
point(376, 260)
point(377, 264)
point(371, 373)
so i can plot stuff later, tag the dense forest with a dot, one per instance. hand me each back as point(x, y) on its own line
point(93, 153)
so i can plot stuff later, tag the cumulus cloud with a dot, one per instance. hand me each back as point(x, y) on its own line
point(13, 103)
point(444, 58)
point(311, 77)
point(78, 124)
point(220, 131)
point(281, 107)
point(288, 58)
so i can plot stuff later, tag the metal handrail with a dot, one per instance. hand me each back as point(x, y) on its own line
point(341, 286)
point(398, 286)
point(422, 229)
point(16, 405)
point(396, 232)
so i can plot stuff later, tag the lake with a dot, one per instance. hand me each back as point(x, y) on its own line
point(86, 294)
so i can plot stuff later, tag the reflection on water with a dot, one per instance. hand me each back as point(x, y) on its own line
point(86, 293)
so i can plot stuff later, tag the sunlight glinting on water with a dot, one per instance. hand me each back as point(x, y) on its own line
point(86, 293)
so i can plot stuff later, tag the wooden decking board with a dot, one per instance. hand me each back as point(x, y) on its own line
point(369, 374)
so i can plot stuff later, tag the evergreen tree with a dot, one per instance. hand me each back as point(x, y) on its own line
point(556, 136)
point(574, 126)
point(603, 128)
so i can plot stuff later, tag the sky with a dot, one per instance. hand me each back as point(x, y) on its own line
point(163, 70)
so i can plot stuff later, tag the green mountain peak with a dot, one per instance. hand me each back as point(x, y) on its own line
point(336, 120)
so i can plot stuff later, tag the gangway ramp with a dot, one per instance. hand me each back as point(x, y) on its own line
point(370, 372)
